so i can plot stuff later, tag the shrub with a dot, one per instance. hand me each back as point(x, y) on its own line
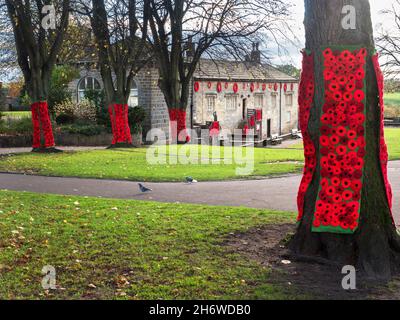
point(84, 129)
point(98, 99)
point(84, 110)
point(136, 117)
point(64, 118)
point(16, 126)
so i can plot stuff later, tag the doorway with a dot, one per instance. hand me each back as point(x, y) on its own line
point(268, 128)
point(244, 109)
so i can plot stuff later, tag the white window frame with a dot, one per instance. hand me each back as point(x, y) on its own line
point(133, 100)
point(231, 102)
point(288, 116)
point(211, 106)
point(287, 99)
point(274, 97)
point(93, 83)
point(259, 101)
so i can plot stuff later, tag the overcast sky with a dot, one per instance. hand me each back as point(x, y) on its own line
point(378, 19)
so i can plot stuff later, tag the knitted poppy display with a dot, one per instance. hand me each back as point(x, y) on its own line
point(41, 124)
point(214, 129)
point(119, 123)
point(383, 153)
point(258, 115)
point(342, 139)
point(306, 98)
point(177, 118)
point(196, 86)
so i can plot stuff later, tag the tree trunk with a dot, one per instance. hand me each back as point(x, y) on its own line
point(120, 124)
point(372, 245)
point(37, 85)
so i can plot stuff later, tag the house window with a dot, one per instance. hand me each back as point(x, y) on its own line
point(85, 84)
point(259, 104)
point(289, 100)
point(210, 99)
point(133, 100)
point(231, 102)
point(274, 99)
point(288, 116)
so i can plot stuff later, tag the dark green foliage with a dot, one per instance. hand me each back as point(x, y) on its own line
point(65, 118)
point(136, 116)
point(84, 129)
point(60, 78)
point(98, 98)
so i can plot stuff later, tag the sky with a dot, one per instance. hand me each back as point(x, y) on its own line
point(292, 55)
point(379, 20)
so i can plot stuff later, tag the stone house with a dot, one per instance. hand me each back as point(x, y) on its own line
point(233, 90)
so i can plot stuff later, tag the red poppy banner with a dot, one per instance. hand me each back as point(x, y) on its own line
point(383, 153)
point(120, 124)
point(306, 99)
point(342, 141)
point(41, 123)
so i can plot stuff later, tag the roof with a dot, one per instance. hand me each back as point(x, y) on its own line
point(232, 70)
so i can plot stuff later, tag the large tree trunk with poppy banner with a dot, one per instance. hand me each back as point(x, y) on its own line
point(344, 198)
point(37, 50)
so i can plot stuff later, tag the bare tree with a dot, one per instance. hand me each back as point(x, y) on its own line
point(374, 246)
point(388, 42)
point(37, 49)
point(120, 30)
point(182, 31)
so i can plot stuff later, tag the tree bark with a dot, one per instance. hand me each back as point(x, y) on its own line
point(37, 52)
point(374, 247)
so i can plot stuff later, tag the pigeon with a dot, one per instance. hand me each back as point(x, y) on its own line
point(143, 188)
point(190, 180)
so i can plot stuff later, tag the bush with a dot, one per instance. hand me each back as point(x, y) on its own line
point(136, 117)
point(84, 110)
point(65, 118)
point(16, 126)
point(98, 99)
point(58, 91)
point(84, 129)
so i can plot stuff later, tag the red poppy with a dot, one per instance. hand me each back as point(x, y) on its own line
point(196, 86)
point(359, 95)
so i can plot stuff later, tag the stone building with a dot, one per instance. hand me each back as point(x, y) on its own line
point(233, 90)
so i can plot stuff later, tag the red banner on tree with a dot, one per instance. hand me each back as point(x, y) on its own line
point(342, 141)
point(306, 98)
point(383, 152)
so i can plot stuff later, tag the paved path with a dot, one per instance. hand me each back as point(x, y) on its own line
point(274, 193)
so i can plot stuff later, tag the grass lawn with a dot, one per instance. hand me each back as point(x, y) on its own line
point(17, 114)
point(131, 164)
point(113, 249)
point(392, 99)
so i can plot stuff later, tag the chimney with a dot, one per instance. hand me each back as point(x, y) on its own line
point(256, 54)
point(190, 48)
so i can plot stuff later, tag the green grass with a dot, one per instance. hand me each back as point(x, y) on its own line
point(97, 246)
point(392, 99)
point(131, 164)
point(17, 114)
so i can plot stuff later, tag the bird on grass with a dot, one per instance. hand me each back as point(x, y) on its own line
point(190, 180)
point(143, 188)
